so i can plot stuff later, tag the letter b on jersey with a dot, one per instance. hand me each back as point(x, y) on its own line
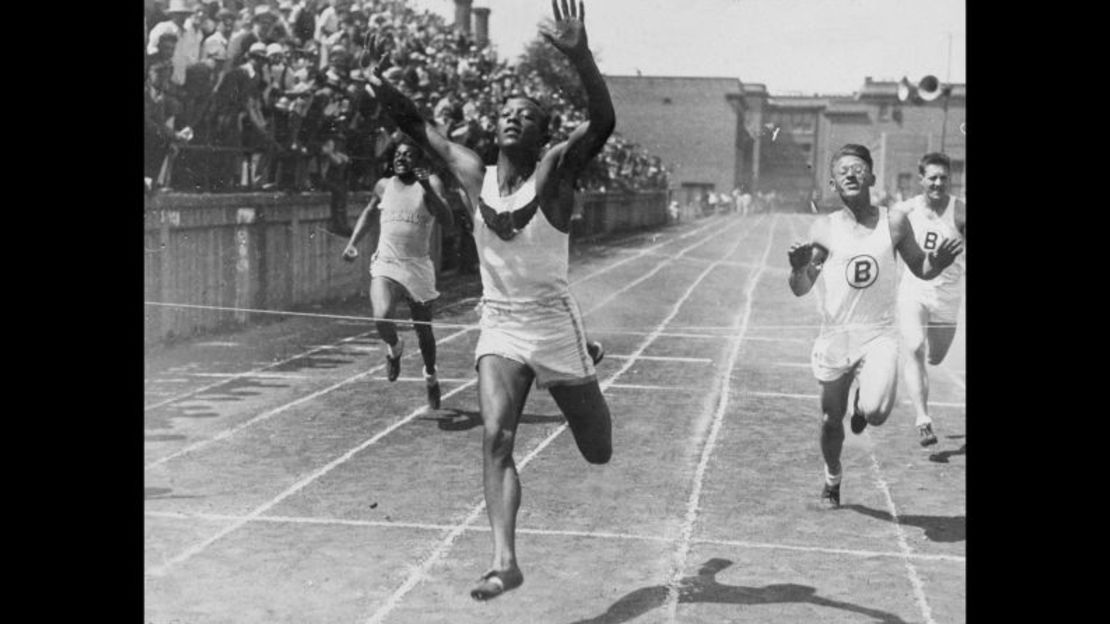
point(861, 271)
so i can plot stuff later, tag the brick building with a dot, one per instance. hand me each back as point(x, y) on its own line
point(720, 133)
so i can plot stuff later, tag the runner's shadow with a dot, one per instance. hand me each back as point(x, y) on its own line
point(463, 420)
point(704, 588)
point(937, 528)
point(159, 493)
point(942, 457)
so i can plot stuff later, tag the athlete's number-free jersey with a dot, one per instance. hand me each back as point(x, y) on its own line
point(532, 264)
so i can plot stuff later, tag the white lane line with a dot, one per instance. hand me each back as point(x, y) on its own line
point(218, 344)
point(661, 358)
point(652, 387)
point(776, 339)
point(903, 545)
point(682, 552)
point(833, 551)
point(673, 258)
point(254, 376)
point(805, 365)
point(199, 547)
point(227, 433)
point(217, 384)
point(814, 397)
point(445, 545)
point(602, 535)
point(161, 570)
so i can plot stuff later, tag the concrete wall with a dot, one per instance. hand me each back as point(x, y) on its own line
point(272, 252)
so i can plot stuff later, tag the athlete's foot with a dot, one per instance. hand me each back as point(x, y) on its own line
point(925, 435)
point(859, 423)
point(393, 363)
point(496, 582)
point(596, 351)
point(830, 497)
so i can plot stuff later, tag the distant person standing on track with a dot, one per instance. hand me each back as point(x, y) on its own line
point(408, 203)
point(928, 309)
point(850, 257)
point(532, 328)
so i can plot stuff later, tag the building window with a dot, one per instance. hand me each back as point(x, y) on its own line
point(884, 112)
point(667, 100)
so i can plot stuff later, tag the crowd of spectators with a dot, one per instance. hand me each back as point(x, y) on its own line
point(272, 96)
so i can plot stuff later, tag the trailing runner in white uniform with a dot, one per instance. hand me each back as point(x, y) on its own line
point(531, 328)
point(850, 257)
point(408, 203)
point(928, 309)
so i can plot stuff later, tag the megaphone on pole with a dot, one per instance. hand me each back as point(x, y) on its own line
point(928, 88)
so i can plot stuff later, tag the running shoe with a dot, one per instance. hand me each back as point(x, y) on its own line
point(433, 395)
point(596, 351)
point(859, 423)
point(830, 496)
point(925, 434)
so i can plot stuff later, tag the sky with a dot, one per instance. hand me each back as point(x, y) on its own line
point(791, 46)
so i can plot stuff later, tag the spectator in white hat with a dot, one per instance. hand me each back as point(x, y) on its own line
point(175, 25)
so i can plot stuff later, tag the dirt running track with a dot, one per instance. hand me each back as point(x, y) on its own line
point(287, 481)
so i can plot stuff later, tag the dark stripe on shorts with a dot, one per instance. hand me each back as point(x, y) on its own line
point(579, 334)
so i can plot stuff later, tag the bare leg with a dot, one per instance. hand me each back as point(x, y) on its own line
point(503, 387)
point(587, 414)
point(912, 320)
point(834, 402)
point(423, 312)
point(940, 337)
point(383, 300)
point(878, 381)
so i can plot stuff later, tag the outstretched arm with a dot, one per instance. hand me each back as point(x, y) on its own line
point(568, 35)
point(463, 163)
point(925, 266)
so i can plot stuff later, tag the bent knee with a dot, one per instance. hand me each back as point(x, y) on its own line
point(878, 414)
point(499, 443)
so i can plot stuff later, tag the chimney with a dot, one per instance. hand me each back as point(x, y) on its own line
point(481, 26)
point(462, 15)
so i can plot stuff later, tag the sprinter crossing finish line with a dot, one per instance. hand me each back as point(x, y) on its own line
point(850, 258)
point(532, 329)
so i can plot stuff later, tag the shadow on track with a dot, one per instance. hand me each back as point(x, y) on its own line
point(704, 588)
point(463, 420)
point(942, 457)
point(937, 528)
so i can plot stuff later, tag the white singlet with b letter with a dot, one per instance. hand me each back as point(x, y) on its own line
point(931, 230)
point(856, 293)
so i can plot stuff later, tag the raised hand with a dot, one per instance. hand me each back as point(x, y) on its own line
point(946, 252)
point(568, 33)
point(375, 57)
point(800, 255)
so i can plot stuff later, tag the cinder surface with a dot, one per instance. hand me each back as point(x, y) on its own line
point(310, 490)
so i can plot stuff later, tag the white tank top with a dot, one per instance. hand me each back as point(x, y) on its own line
point(530, 266)
point(406, 225)
point(930, 230)
point(858, 284)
